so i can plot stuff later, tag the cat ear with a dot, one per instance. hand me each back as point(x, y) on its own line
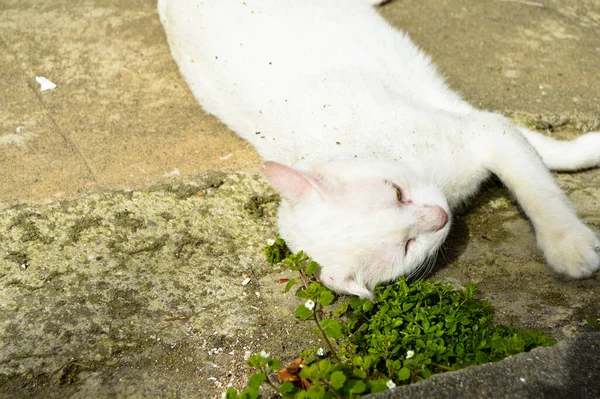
point(290, 183)
point(338, 279)
point(353, 288)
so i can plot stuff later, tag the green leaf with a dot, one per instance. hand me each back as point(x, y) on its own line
point(407, 306)
point(356, 386)
point(287, 387)
point(379, 385)
point(316, 391)
point(311, 268)
point(358, 373)
point(404, 374)
point(481, 357)
point(356, 302)
point(368, 362)
point(256, 361)
point(290, 284)
point(231, 393)
point(337, 379)
point(274, 364)
point(326, 297)
point(324, 367)
point(249, 393)
point(256, 380)
point(342, 309)
point(593, 322)
point(302, 312)
point(332, 328)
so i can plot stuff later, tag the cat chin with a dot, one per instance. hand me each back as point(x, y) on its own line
point(361, 279)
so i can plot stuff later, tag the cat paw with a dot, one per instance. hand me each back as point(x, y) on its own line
point(574, 251)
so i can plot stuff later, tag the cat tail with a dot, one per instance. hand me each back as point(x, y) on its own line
point(580, 153)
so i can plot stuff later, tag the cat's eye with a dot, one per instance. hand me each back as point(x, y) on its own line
point(398, 194)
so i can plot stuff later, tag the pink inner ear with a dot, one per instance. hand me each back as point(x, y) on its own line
point(288, 182)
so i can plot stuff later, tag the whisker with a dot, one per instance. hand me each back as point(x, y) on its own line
point(423, 269)
point(433, 171)
point(431, 262)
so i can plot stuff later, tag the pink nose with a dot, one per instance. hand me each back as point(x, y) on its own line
point(442, 216)
point(432, 217)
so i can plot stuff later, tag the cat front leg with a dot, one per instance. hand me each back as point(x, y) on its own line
point(569, 246)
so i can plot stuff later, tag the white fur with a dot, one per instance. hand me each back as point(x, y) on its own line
point(354, 108)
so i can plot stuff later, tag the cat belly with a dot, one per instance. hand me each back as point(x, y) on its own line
point(290, 71)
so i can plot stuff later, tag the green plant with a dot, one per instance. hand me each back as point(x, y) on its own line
point(409, 332)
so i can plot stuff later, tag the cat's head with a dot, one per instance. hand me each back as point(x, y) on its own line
point(364, 223)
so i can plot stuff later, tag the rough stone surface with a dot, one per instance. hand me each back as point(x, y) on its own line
point(140, 292)
point(125, 236)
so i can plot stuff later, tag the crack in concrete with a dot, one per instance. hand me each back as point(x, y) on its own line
point(71, 146)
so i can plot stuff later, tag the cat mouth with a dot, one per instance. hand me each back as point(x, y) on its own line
point(409, 243)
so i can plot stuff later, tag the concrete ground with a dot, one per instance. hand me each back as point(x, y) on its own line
point(129, 217)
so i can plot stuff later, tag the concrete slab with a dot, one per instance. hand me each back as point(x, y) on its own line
point(34, 153)
point(536, 61)
point(120, 107)
point(137, 292)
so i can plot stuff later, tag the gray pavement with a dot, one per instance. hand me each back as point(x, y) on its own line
point(129, 218)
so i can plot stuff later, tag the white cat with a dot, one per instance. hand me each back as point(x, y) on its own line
point(366, 144)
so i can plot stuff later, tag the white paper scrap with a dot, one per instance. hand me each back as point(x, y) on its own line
point(45, 84)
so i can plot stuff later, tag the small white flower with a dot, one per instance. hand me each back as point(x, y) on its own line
point(264, 355)
point(320, 352)
point(309, 304)
point(390, 384)
point(223, 395)
point(270, 242)
point(410, 354)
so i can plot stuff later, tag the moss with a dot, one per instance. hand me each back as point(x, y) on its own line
point(82, 224)
point(30, 230)
point(553, 298)
point(126, 303)
point(212, 180)
point(154, 244)
point(68, 373)
point(166, 216)
point(19, 257)
point(256, 205)
point(125, 220)
point(184, 191)
point(187, 244)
